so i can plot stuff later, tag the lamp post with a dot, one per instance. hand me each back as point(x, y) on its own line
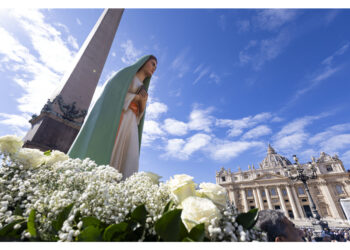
point(304, 174)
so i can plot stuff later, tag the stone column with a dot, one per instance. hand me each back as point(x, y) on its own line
point(300, 209)
point(329, 199)
point(257, 205)
point(232, 197)
point(269, 203)
point(291, 199)
point(244, 199)
point(260, 199)
point(280, 195)
point(346, 185)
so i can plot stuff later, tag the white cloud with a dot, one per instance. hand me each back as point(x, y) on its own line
point(19, 124)
point(257, 132)
point(73, 42)
point(328, 133)
point(335, 143)
point(131, 54)
point(151, 132)
point(293, 135)
point(173, 148)
point(175, 127)
point(277, 119)
point(195, 143)
point(322, 74)
point(346, 158)
point(152, 128)
point(292, 142)
point(330, 16)
point(243, 25)
point(227, 150)
point(215, 77)
point(180, 63)
point(155, 109)
point(37, 80)
point(272, 19)
point(339, 52)
point(237, 126)
point(258, 53)
point(15, 120)
point(181, 149)
point(222, 22)
point(320, 77)
point(46, 40)
point(78, 21)
point(201, 119)
point(202, 73)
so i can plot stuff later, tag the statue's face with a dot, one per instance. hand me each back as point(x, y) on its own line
point(150, 67)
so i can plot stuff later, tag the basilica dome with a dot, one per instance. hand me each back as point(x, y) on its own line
point(274, 160)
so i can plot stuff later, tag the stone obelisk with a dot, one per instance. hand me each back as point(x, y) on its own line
point(62, 116)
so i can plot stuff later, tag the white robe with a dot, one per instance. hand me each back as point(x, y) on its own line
point(125, 154)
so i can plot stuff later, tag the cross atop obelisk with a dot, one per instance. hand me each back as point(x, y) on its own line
point(62, 116)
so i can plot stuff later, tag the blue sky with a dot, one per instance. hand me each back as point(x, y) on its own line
point(228, 82)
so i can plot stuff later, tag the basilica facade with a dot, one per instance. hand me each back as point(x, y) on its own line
point(269, 187)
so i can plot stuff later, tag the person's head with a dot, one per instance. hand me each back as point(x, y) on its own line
point(278, 227)
point(149, 66)
point(327, 238)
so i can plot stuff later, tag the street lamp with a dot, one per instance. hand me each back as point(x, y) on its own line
point(304, 174)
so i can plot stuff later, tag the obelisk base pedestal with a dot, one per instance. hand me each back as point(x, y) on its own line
point(50, 132)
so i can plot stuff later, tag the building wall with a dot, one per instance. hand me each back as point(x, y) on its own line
point(270, 188)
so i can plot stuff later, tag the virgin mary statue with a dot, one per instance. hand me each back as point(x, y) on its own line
point(111, 133)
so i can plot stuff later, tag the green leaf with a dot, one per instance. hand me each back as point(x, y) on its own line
point(9, 228)
point(62, 216)
point(91, 233)
point(77, 217)
point(248, 220)
point(113, 230)
point(139, 214)
point(31, 223)
point(134, 232)
point(198, 232)
point(91, 221)
point(170, 227)
point(47, 153)
point(168, 206)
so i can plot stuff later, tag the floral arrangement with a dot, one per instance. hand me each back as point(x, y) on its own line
point(50, 197)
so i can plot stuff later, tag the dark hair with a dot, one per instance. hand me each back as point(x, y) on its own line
point(272, 222)
point(150, 58)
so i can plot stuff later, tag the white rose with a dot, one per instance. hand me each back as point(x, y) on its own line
point(154, 177)
point(10, 143)
point(198, 210)
point(55, 156)
point(214, 192)
point(30, 157)
point(181, 186)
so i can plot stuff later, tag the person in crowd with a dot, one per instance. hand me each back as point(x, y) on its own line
point(278, 227)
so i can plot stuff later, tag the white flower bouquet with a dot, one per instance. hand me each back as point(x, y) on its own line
point(50, 197)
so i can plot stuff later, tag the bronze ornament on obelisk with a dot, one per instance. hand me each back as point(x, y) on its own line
point(62, 116)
